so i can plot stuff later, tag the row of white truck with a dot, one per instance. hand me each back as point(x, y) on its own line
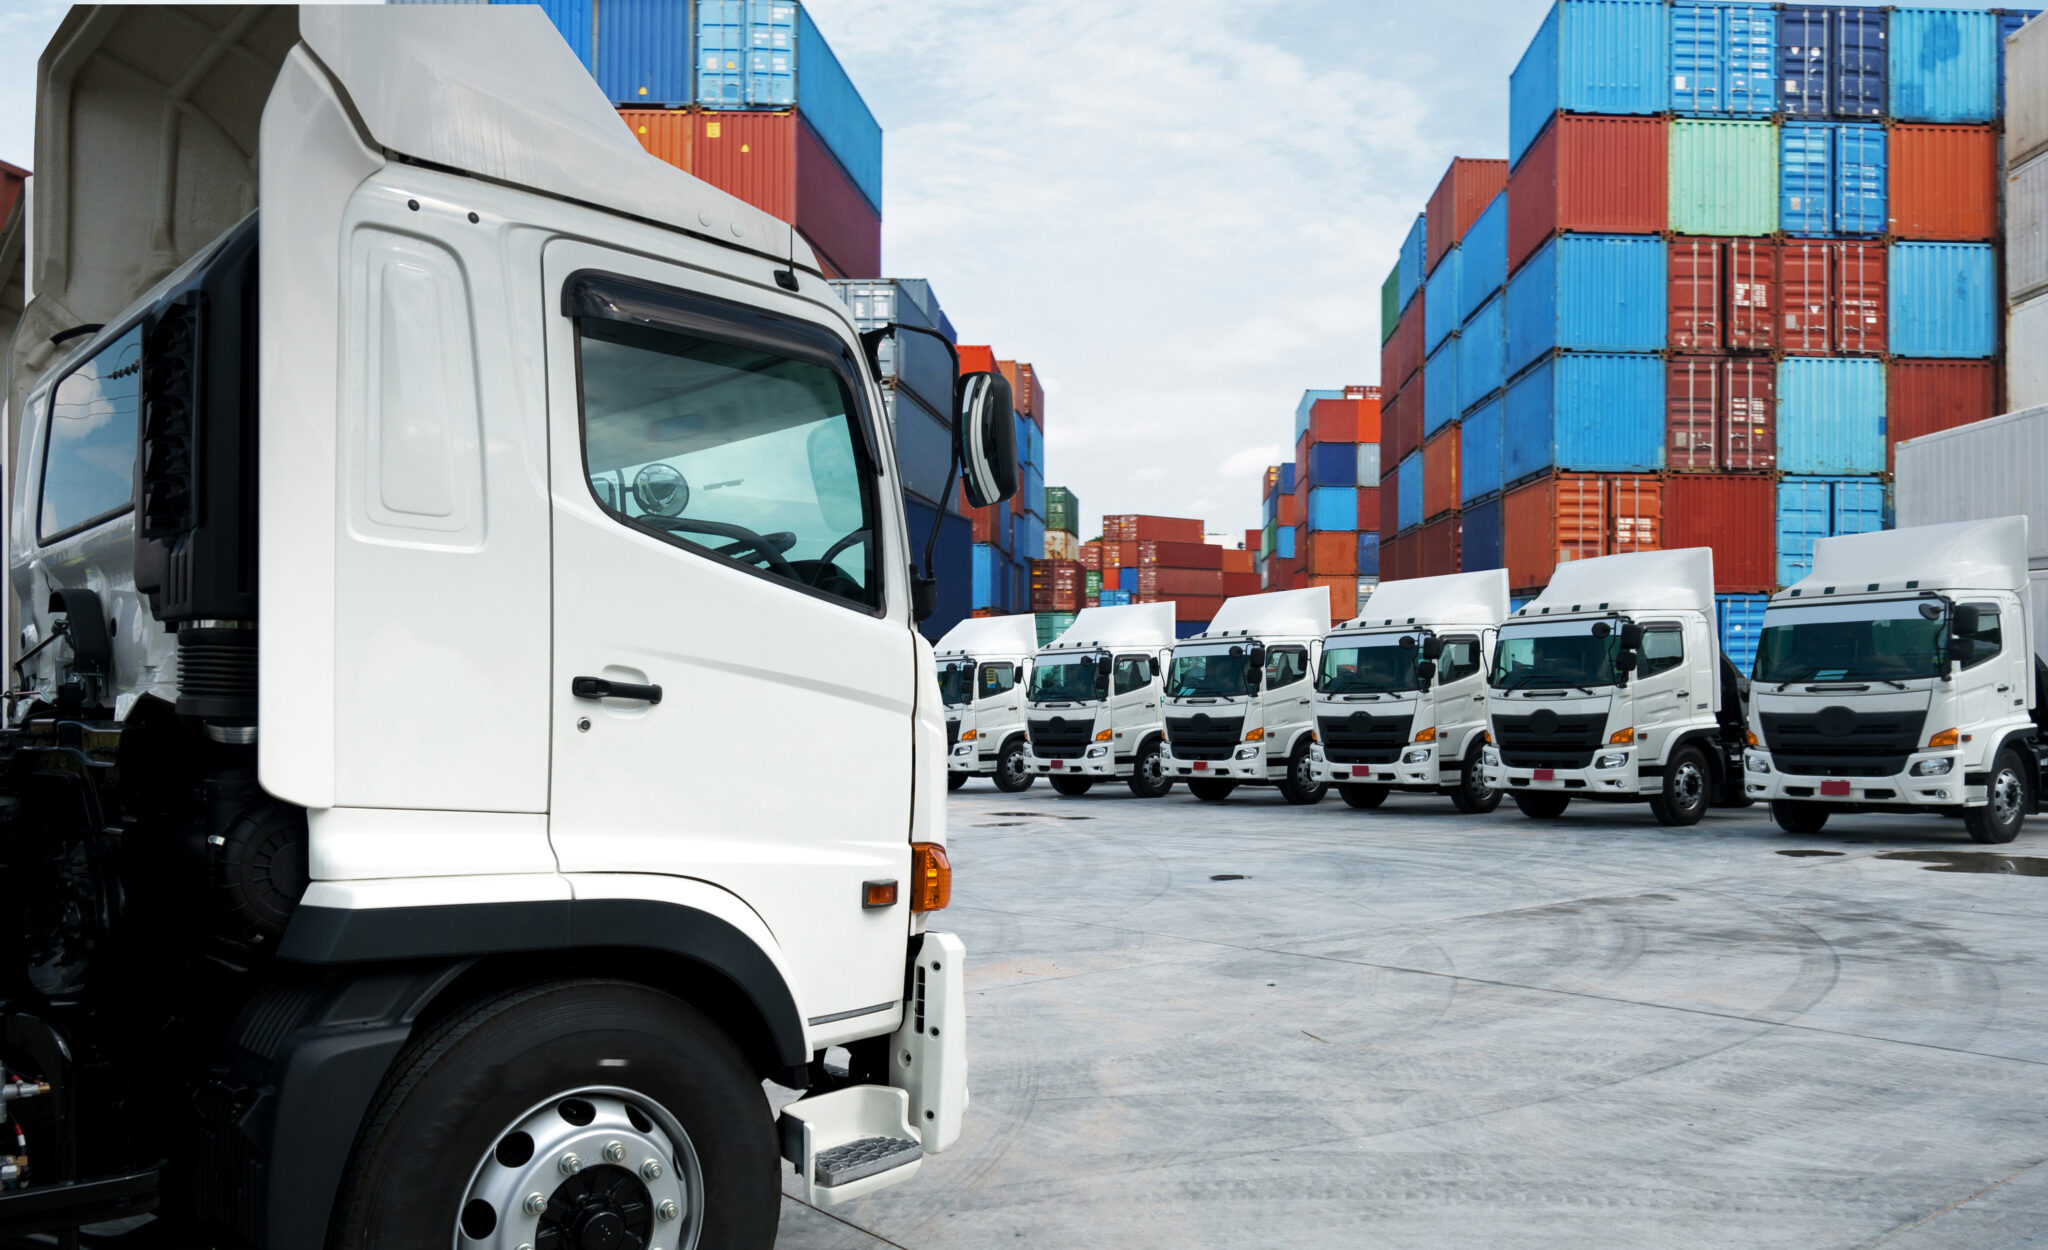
point(1900, 675)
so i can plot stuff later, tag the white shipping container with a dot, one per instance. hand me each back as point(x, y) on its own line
point(2026, 354)
point(2026, 230)
point(2026, 93)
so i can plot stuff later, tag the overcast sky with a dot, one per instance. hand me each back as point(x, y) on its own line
point(1180, 210)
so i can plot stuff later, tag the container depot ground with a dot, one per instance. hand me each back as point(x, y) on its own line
point(1259, 1026)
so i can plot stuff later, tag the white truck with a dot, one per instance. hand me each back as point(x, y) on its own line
point(1092, 706)
point(1240, 699)
point(984, 664)
point(1902, 675)
point(1611, 686)
point(429, 513)
point(1401, 694)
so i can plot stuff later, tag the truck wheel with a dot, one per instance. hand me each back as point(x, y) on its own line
point(1072, 787)
point(1301, 787)
point(1365, 798)
point(1542, 804)
point(955, 780)
point(1210, 790)
point(1012, 774)
point(1999, 820)
point(576, 1113)
point(1799, 817)
point(1148, 773)
point(1687, 787)
point(1473, 796)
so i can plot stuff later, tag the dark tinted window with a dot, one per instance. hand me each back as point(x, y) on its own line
point(1459, 661)
point(1285, 666)
point(89, 467)
point(1987, 639)
point(1133, 672)
point(1663, 650)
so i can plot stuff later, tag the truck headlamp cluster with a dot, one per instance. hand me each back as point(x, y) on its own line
point(1757, 763)
point(1427, 735)
point(1256, 735)
point(1248, 753)
point(1490, 756)
point(1933, 768)
point(1611, 759)
point(1416, 755)
point(1946, 738)
point(1622, 737)
point(1096, 753)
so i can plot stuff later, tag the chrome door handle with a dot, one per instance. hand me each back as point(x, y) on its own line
point(600, 688)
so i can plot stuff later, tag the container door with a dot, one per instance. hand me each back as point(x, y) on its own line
point(1805, 513)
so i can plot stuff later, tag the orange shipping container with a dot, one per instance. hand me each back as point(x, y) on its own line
point(1343, 595)
point(1026, 395)
point(1241, 561)
point(1576, 516)
point(1290, 511)
point(1468, 186)
point(977, 359)
point(1197, 607)
point(1333, 554)
point(1135, 528)
point(777, 163)
point(1944, 183)
point(1440, 473)
point(665, 133)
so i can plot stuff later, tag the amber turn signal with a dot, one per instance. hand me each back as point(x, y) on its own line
point(931, 877)
point(1749, 736)
point(1427, 735)
point(1621, 737)
point(1946, 738)
point(1256, 735)
point(874, 894)
point(1103, 735)
point(969, 735)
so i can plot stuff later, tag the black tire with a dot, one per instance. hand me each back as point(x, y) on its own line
point(1364, 798)
point(1472, 795)
point(457, 1087)
point(955, 780)
point(2000, 819)
point(1211, 790)
point(1796, 817)
point(1688, 787)
point(1072, 787)
point(1013, 776)
point(1300, 787)
point(1542, 804)
point(1148, 772)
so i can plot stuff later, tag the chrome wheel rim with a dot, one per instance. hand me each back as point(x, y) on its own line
point(597, 1166)
point(1475, 784)
point(1689, 785)
point(2005, 796)
point(1013, 766)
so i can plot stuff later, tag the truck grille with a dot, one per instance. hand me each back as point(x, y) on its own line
point(1061, 737)
point(1544, 739)
point(1842, 742)
point(1202, 736)
point(1363, 738)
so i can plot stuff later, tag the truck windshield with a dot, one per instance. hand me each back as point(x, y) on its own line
point(1066, 678)
point(1853, 641)
point(1369, 665)
point(956, 682)
point(1565, 653)
point(1215, 671)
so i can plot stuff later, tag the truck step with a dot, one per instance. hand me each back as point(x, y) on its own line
point(857, 1160)
point(851, 1142)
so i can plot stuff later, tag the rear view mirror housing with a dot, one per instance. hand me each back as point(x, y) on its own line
point(1631, 636)
point(1432, 648)
point(985, 438)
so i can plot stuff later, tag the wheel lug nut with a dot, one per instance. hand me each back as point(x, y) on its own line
point(570, 1165)
point(667, 1210)
point(614, 1151)
point(535, 1203)
point(651, 1170)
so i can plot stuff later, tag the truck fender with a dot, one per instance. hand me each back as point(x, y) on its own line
point(2027, 741)
point(1301, 735)
point(1702, 738)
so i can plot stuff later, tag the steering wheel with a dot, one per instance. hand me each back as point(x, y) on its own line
point(747, 545)
point(832, 552)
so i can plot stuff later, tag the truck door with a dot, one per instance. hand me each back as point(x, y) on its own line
point(1987, 680)
point(1662, 685)
point(722, 540)
point(1133, 702)
point(1459, 694)
point(1289, 698)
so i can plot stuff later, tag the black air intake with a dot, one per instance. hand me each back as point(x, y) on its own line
point(217, 673)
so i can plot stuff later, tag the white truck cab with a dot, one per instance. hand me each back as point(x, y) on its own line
point(984, 664)
point(1900, 675)
point(1611, 686)
point(1401, 693)
point(429, 513)
point(1092, 705)
point(1240, 697)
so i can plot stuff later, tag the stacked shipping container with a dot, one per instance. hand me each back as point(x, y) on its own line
point(1322, 509)
point(1156, 559)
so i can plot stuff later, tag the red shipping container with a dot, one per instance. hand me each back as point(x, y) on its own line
point(1179, 555)
point(1927, 396)
point(977, 359)
point(1401, 432)
point(1595, 175)
point(1335, 420)
point(1439, 546)
point(1944, 182)
point(1241, 561)
point(1027, 397)
point(1861, 286)
point(1281, 574)
point(1736, 516)
point(1390, 509)
point(1197, 607)
point(1832, 297)
point(1091, 556)
point(1236, 584)
point(1577, 516)
point(1343, 596)
point(1440, 473)
point(1288, 510)
point(1693, 303)
point(1749, 315)
point(1468, 186)
point(1693, 407)
point(1131, 527)
point(1749, 418)
point(1169, 582)
point(1401, 356)
point(1369, 508)
point(1333, 554)
point(1397, 557)
point(777, 163)
point(1636, 501)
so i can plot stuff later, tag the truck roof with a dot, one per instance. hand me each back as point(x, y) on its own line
point(1147, 625)
point(1966, 555)
point(1479, 598)
point(991, 635)
point(1277, 613)
point(1635, 581)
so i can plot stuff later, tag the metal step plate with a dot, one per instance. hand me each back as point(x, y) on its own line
point(866, 1157)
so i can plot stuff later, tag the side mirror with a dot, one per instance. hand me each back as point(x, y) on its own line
point(924, 597)
point(1425, 672)
point(1626, 661)
point(1154, 662)
point(1964, 620)
point(1432, 648)
point(1102, 681)
point(985, 438)
point(1631, 637)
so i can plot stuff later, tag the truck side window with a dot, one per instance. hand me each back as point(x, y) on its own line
point(89, 460)
point(1460, 660)
point(997, 678)
point(1988, 640)
point(1133, 672)
point(1663, 650)
point(734, 453)
point(1285, 666)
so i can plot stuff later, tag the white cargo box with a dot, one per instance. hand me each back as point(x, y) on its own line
point(1979, 471)
point(2026, 92)
point(2026, 354)
point(2026, 230)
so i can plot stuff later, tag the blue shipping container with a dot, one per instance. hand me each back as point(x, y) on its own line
point(1944, 300)
point(1412, 256)
point(1287, 471)
point(1482, 355)
point(986, 565)
point(952, 560)
point(827, 98)
point(574, 18)
point(1832, 179)
point(1590, 56)
point(1484, 539)
point(1811, 508)
point(1724, 59)
point(1944, 65)
point(1333, 464)
point(916, 362)
point(1284, 545)
point(1440, 389)
point(1440, 302)
point(1587, 293)
point(641, 56)
point(1484, 268)
point(924, 444)
point(1586, 413)
point(1479, 452)
point(1832, 61)
point(1830, 415)
point(1332, 508)
point(1408, 491)
point(1742, 620)
point(1368, 554)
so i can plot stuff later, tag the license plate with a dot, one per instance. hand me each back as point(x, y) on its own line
point(1837, 789)
point(1546, 774)
point(1201, 766)
point(1361, 772)
point(1058, 764)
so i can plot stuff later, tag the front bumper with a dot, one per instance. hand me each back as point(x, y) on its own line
point(1232, 769)
point(1103, 765)
point(1902, 788)
point(966, 757)
point(1622, 780)
point(1404, 771)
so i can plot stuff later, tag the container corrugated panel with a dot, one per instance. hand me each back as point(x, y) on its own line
point(1724, 58)
point(1572, 516)
point(1481, 547)
point(1594, 175)
point(1482, 355)
point(1390, 302)
point(642, 55)
point(1944, 65)
point(1409, 504)
point(1440, 389)
point(1928, 396)
point(1401, 356)
point(1741, 621)
point(1467, 187)
point(1812, 508)
point(665, 133)
point(1749, 420)
point(1944, 300)
point(1587, 292)
point(2026, 231)
point(2026, 104)
point(1332, 464)
point(2009, 23)
point(1438, 545)
point(1590, 56)
point(1440, 466)
point(1593, 413)
point(1732, 515)
point(746, 51)
point(2026, 354)
point(1440, 303)
point(1692, 300)
point(1693, 407)
point(1483, 265)
point(1833, 297)
point(1398, 434)
point(915, 362)
point(1368, 555)
point(827, 98)
point(1832, 179)
point(1333, 508)
point(575, 19)
point(1479, 452)
point(1412, 249)
point(1830, 416)
point(1750, 294)
point(1946, 183)
point(831, 211)
point(1368, 455)
point(1724, 177)
point(1390, 505)
point(1832, 61)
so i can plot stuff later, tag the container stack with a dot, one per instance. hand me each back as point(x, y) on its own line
point(1335, 498)
point(1062, 524)
point(2026, 211)
point(1156, 559)
point(1742, 250)
point(1279, 557)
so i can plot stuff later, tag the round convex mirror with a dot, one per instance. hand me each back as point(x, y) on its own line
point(661, 491)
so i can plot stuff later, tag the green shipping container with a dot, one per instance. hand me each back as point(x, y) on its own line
point(1270, 541)
point(1094, 579)
point(1062, 510)
point(1724, 177)
point(1051, 625)
point(1390, 303)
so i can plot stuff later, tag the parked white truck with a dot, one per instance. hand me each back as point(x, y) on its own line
point(1611, 685)
point(429, 514)
point(1401, 693)
point(984, 664)
point(1240, 699)
point(1092, 706)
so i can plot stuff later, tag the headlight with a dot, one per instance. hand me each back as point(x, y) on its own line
point(1490, 757)
point(1415, 756)
point(1933, 768)
point(1612, 759)
point(1248, 752)
point(1757, 763)
point(1096, 753)
point(1315, 751)
point(963, 749)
